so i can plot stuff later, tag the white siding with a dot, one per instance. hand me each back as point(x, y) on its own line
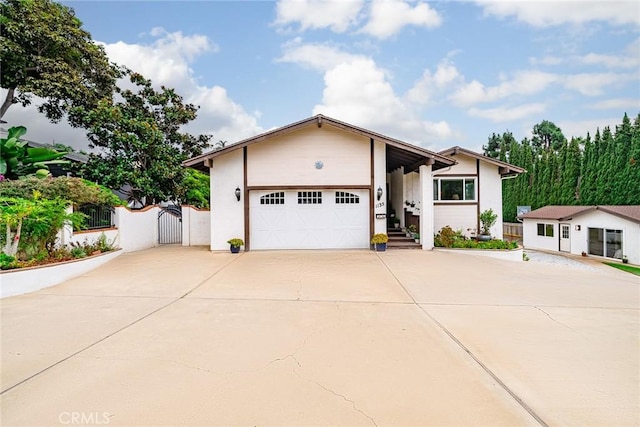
point(397, 193)
point(490, 189)
point(290, 159)
point(466, 165)
point(227, 213)
point(599, 219)
point(458, 217)
point(531, 240)
point(412, 192)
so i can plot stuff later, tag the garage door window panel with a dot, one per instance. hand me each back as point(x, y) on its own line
point(273, 199)
point(342, 198)
point(309, 197)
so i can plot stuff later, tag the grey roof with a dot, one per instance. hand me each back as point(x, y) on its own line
point(506, 169)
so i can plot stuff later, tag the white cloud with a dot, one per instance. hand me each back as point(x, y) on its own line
point(625, 104)
point(592, 84)
point(318, 56)
point(508, 113)
point(579, 128)
point(551, 13)
point(431, 84)
point(337, 15)
point(528, 82)
point(358, 92)
point(388, 17)
point(611, 61)
point(546, 60)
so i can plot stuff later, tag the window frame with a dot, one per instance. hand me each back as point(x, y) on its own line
point(545, 229)
point(465, 180)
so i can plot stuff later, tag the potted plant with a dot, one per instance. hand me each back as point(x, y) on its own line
point(234, 245)
point(416, 237)
point(584, 253)
point(625, 260)
point(396, 223)
point(487, 220)
point(380, 240)
point(411, 229)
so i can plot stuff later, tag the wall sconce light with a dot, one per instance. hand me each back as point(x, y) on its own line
point(379, 193)
point(577, 228)
point(238, 193)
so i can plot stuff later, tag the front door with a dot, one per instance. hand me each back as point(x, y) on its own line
point(565, 241)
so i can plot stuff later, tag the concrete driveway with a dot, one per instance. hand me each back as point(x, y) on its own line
point(183, 336)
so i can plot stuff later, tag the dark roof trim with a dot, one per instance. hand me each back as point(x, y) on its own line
point(505, 169)
point(321, 120)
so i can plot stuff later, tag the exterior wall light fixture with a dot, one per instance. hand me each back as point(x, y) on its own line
point(379, 193)
point(238, 193)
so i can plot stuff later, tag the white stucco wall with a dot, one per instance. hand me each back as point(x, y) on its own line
point(196, 226)
point(290, 159)
point(458, 217)
point(379, 180)
point(138, 229)
point(531, 240)
point(227, 213)
point(490, 188)
point(112, 235)
point(599, 219)
point(412, 192)
point(426, 211)
point(466, 166)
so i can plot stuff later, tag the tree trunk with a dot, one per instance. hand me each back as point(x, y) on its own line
point(8, 101)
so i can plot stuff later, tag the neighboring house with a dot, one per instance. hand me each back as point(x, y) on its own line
point(322, 183)
point(605, 231)
point(61, 170)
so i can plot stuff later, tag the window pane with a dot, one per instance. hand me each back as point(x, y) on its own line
point(549, 231)
point(596, 241)
point(435, 189)
point(451, 189)
point(614, 244)
point(540, 229)
point(469, 189)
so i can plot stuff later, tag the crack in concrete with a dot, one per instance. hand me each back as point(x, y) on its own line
point(558, 322)
point(343, 397)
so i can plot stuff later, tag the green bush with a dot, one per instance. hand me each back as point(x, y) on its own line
point(447, 238)
point(235, 242)
point(6, 261)
point(78, 191)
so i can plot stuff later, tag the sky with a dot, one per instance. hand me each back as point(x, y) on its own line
point(435, 74)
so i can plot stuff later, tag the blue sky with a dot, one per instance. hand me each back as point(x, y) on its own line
point(436, 74)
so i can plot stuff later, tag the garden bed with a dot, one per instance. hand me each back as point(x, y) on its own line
point(508, 254)
point(23, 280)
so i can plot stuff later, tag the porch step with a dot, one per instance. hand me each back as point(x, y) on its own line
point(399, 240)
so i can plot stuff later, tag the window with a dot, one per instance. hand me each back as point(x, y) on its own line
point(565, 231)
point(463, 189)
point(545, 230)
point(273, 199)
point(309, 197)
point(605, 242)
point(343, 197)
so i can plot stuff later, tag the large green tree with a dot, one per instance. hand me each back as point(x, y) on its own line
point(45, 52)
point(139, 141)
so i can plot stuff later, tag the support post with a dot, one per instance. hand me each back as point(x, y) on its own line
point(426, 209)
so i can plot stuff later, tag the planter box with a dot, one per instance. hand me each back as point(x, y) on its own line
point(508, 254)
point(24, 280)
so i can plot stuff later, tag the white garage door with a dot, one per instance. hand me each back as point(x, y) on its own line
point(309, 219)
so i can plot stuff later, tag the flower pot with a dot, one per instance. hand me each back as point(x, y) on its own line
point(625, 261)
point(484, 237)
point(381, 247)
point(234, 249)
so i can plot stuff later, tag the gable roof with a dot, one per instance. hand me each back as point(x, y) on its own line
point(505, 169)
point(399, 153)
point(563, 213)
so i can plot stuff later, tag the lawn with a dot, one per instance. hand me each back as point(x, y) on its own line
point(625, 267)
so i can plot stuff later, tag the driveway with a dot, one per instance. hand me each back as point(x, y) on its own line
point(183, 336)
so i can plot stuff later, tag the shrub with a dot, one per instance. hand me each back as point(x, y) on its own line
point(487, 219)
point(448, 238)
point(379, 238)
point(7, 261)
point(235, 242)
point(78, 191)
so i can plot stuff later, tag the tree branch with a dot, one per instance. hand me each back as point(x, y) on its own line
point(8, 101)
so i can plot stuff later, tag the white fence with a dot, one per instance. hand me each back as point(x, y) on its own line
point(138, 229)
